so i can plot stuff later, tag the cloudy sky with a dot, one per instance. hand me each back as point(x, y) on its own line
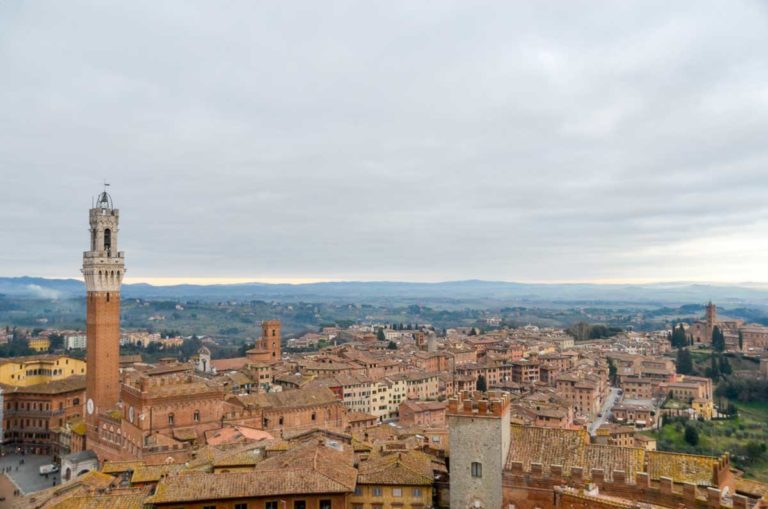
point(399, 140)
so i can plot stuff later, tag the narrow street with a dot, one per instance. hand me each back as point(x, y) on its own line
point(605, 411)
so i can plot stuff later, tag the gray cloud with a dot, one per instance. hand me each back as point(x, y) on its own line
point(389, 140)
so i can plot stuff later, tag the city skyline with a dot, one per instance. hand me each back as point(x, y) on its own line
point(507, 143)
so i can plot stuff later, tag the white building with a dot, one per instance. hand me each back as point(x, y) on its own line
point(75, 342)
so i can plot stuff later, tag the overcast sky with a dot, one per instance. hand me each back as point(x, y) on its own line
point(413, 140)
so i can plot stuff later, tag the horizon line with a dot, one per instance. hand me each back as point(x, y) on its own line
point(206, 281)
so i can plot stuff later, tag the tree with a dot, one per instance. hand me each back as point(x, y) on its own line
point(713, 371)
point(57, 342)
point(391, 345)
point(754, 450)
point(612, 371)
point(190, 346)
point(481, 385)
point(580, 331)
point(718, 339)
point(691, 435)
point(684, 362)
point(380, 335)
point(725, 365)
point(741, 340)
point(678, 338)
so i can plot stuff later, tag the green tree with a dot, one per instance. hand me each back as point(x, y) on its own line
point(741, 340)
point(678, 338)
point(713, 371)
point(691, 435)
point(190, 346)
point(612, 371)
point(725, 365)
point(684, 362)
point(391, 345)
point(481, 384)
point(754, 451)
point(380, 335)
point(718, 340)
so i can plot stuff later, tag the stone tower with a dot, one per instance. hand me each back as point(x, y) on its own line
point(479, 436)
point(103, 270)
point(270, 337)
point(711, 319)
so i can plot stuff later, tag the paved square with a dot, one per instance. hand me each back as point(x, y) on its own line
point(27, 475)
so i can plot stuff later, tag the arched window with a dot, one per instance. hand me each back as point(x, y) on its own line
point(197, 416)
point(170, 419)
point(107, 239)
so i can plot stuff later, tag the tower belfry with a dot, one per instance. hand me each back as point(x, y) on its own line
point(103, 270)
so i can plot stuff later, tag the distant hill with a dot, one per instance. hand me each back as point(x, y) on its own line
point(454, 292)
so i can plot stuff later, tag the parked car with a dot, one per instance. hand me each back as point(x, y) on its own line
point(50, 468)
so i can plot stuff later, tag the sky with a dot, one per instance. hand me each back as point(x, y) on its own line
point(439, 140)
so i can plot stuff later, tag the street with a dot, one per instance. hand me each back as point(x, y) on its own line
point(605, 411)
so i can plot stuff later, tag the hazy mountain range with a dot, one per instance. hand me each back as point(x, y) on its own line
point(381, 291)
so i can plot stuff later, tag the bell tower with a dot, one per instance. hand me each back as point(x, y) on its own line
point(270, 338)
point(103, 270)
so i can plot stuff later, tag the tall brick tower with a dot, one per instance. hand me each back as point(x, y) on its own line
point(103, 270)
point(711, 319)
point(270, 337)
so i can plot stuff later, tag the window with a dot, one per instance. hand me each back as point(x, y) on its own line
point(76, 401)
point(358, 490)
point(299, 504)
point(209, 507)
point(196, 417)
point(272, 504)
point(170, 422)
point(241, 506)
point(376, 491)
point(325, 504)
point(397, 492)
point(314, 416)
point(416, 492)
point(108, 241)
point(477, 469)
point(280, 421)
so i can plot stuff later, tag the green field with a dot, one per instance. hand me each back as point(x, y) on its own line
point(743, 436)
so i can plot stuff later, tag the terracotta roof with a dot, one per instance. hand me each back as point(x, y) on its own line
point(111, 501)
point(681, 467)
point(81, 485)
point(303, 470)
point(289, 399)
point(570, 448)
point(69, 384)
point(410, 468)
point(116, 467)
point(229, 364)
point(152, 473)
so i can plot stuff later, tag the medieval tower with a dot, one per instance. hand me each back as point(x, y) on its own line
point(103, 270)
point(270, 336)
point(711, 319)
point(479, 436)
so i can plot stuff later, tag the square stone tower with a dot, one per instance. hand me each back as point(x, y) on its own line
point(103, 270)
point(479, 435)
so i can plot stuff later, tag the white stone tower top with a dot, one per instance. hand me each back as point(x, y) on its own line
point(103, 265)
